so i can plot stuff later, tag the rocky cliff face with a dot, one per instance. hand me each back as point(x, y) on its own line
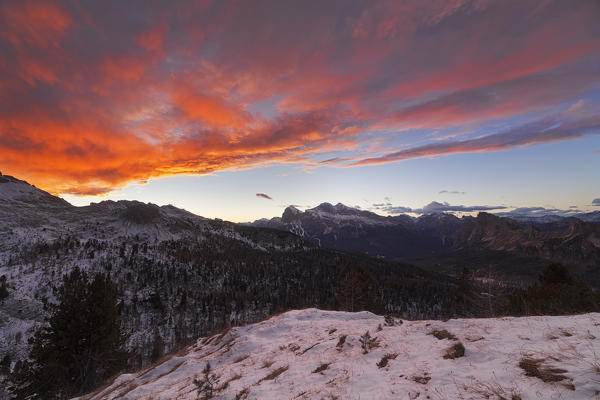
point(572, 242)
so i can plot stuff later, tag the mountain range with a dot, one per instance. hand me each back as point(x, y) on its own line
point(516, 248)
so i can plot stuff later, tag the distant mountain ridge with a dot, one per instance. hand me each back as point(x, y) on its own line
point(574, 241)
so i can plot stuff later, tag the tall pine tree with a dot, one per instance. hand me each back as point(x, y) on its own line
point(80, 345)
point(355, 290)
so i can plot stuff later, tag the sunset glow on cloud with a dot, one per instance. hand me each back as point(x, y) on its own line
point(94, 97)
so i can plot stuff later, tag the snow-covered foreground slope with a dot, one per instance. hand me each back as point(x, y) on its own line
point(280, 359)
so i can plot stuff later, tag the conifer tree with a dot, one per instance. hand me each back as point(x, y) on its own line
point(557, 293)
point(3, 288)
point(466, 293)
point(79, 346)
point(354, 291)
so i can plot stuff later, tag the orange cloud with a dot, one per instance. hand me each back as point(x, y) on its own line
point(40, 24)
point(96, 95)
point(212, 110)
point(153, 39)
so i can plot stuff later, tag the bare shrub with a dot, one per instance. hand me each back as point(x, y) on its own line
point(442, 334)
point(242, 394)
point(341, 341)
point(457, 350)
point(389, 320)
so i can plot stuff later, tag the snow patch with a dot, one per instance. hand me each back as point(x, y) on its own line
point(298, 355)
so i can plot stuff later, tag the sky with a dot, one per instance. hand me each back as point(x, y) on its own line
point(237, 109)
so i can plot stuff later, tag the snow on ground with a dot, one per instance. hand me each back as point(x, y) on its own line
point(280, 359)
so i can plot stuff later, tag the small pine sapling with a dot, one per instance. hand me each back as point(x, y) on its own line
point(340, 343)
point(206, 386)
point(367, 342)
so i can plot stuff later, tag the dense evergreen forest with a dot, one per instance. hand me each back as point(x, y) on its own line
point(172, 292)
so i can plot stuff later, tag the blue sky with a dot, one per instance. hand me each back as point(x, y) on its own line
point(557, 175)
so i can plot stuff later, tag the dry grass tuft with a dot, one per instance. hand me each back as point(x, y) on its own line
point(533, 367)
point(455, 351)
point(384, 360)
point(241, 358)
point(267, 364)
point(233, 378)
point(293, 347)
point(321, 368)
point(274, 374)
point(218, 337)
point(442, 334)
point(423, 380)
point(589, 336)
point(596, 366)
point(493, 391)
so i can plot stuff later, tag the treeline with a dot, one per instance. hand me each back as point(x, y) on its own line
point(555, 292)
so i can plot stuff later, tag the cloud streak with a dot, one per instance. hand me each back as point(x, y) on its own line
point(451, 192)
point(540, 212)
point(433, 208)
point(539, 132)
point(264, 196)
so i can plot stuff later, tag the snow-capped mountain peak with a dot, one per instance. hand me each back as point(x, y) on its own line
point(18, 191)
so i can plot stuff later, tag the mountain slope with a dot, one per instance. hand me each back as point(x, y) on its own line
point(300, 355)
point(178, 275)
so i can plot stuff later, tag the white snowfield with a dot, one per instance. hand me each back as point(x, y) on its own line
point(299, 355)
